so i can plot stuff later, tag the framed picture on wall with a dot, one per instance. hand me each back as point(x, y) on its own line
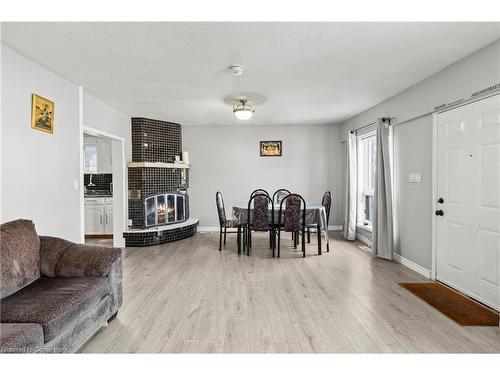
point(270, 148)
point(42, 114)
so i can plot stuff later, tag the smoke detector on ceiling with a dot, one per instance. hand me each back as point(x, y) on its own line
point(236, 69)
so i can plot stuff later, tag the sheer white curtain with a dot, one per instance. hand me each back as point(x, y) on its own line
point(351, 188)
point(383, 223)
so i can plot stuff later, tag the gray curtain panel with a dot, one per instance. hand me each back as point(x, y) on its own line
point(351, 186)
point(383, 224)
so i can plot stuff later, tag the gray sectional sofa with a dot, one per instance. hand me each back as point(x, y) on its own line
point(55, 294)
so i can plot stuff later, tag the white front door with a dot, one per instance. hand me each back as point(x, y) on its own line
point(468, 181)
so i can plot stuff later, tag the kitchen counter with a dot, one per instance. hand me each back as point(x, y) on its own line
point(98, 194)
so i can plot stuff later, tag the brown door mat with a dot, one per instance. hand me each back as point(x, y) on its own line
point(454, 305)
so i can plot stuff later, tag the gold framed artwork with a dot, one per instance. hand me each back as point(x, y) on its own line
point(270, 148)
point(42, 114)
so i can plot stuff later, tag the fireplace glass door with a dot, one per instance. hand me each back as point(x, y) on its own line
point(161, 210)
point(180, 208)
point(150, 207)
point(171, 208)
point(165, 209)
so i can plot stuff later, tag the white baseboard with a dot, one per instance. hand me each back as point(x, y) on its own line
point(208, 229)
point(335, 227)
point(364, 239)
point(412, 265)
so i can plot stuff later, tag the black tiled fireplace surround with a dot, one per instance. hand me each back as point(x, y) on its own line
point(155, 141)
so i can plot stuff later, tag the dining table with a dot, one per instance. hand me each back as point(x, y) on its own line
point(315, 217)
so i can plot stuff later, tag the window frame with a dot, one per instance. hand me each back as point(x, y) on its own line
point(363, 175)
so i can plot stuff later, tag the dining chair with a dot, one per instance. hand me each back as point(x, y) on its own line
point(258, 220)
point(292, 220)
point(259, 191)
point(224, 223)
point(279, 195)
point(326, 202)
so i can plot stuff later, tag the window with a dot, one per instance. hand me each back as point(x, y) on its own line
point(366, 179)
point(90, 158)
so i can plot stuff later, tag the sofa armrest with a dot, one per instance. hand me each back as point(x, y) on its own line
point(61, 258)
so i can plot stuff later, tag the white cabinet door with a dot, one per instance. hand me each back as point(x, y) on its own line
point(468, 181)
point(94, 221)
point(108, 219)
point(103, 156)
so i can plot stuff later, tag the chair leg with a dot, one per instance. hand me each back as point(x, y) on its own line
point(225, 230)
point(318, 229)
point(308, 235)
point(279, 236)
point(220, 239)
point(296, 240)
point(303, 244)
point(327, 246)
point(249, 234)
point(273, 242)
point(239, 239)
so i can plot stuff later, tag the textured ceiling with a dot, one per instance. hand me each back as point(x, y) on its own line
point(295, 73)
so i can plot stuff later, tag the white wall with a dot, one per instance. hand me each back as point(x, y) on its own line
point(98, 115)
point(413, 141)
point(227, 159)
point(39, 169)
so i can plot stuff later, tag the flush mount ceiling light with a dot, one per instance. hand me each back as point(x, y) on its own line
point(236, 69)
point(243, 111)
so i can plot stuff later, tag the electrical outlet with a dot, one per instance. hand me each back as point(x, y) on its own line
point(415, 177)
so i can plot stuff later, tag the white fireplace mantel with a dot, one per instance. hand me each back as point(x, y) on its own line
point(158, 165)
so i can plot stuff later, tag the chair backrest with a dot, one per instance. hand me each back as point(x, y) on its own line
point(279, 195)
point(292, 218)
point(221, 211)
point(260, 217)
point(327, 203)
point(258, 191)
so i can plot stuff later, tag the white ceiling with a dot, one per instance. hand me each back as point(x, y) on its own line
point(296, 73)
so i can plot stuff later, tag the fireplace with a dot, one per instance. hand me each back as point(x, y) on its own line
point(158, 196)
point(164, 209)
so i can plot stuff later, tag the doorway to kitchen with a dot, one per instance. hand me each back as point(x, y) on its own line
point(98, 190)
point(103, 204)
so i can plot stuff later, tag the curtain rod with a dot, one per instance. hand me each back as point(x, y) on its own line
point(444, 109)
point(364, 126)
point(451, 106)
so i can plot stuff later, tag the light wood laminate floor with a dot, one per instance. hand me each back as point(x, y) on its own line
point(187, 297)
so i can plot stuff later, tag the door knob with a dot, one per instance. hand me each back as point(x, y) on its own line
point(440, 200)
point(439, 213)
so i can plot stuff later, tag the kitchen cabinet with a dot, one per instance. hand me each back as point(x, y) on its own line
point(98, 216)
point(93, 219)
point(108, 219)
point(103, 156)
point(97, 155)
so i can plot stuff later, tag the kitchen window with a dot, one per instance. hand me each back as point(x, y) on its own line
point(366, 179)
point(90, 158)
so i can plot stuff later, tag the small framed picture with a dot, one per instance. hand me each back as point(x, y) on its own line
point(42, 114)
point(270, 148)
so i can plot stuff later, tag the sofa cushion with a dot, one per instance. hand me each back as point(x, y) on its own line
point(20, 337)
point(54, 303)
point(19, 256)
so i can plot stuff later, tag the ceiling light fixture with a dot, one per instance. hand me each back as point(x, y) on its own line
point(236, 69)
point(243, 111)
